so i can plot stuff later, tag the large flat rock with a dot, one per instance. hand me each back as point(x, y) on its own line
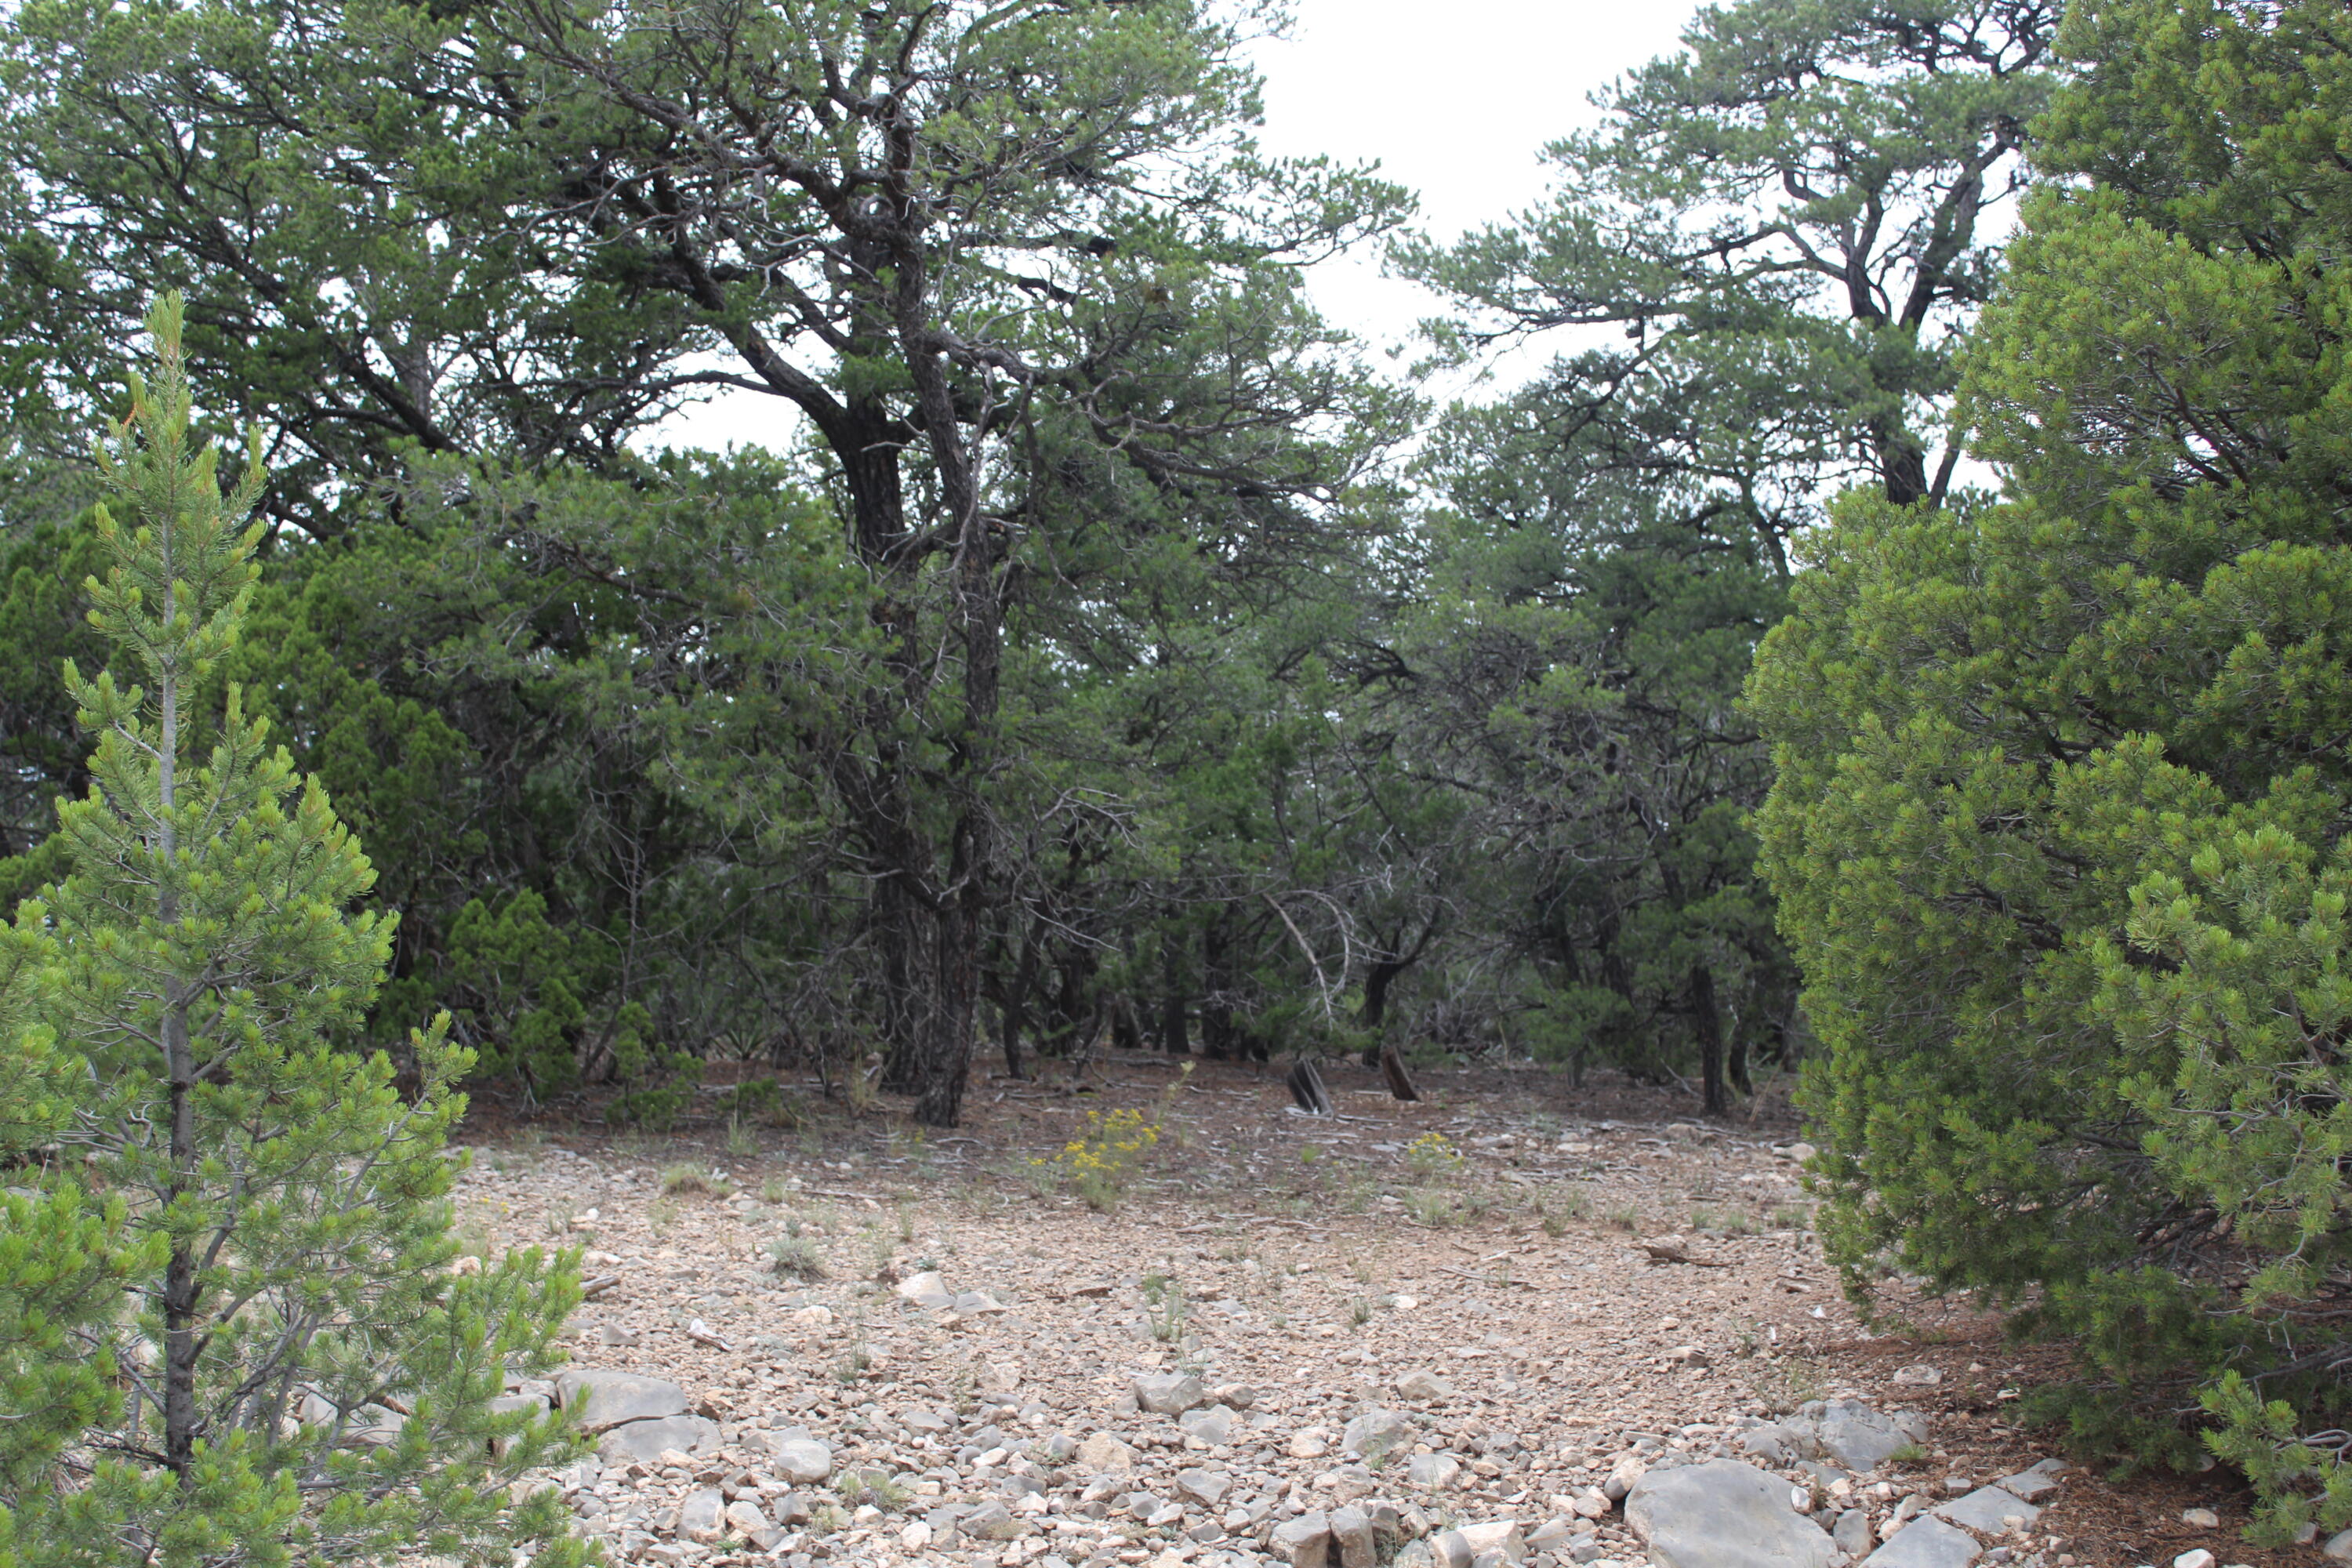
point(1862, 1439)
point(1723, 1514)
point(610, 1398)
point(643, 1442)
point(1926, 1543)
point(1989, 1508)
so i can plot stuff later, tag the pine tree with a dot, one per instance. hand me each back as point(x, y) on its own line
point(304, 1378)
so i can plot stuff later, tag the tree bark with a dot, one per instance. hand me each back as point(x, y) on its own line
point(1709, 1025)
point(1175, 1033)
point(1016, 1001)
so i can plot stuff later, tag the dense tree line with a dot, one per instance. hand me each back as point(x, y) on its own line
point(1089, 665)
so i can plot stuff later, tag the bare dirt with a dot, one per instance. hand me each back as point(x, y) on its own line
point(1489, 1235)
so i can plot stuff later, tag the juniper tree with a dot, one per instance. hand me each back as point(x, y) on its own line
point(304, 1377)
point(2059, 825)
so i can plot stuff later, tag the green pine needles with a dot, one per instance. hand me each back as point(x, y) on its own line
point(229, 1333)
point(2062, 823)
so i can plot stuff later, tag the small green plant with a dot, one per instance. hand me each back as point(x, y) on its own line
point(1165, 1313)
point(827, 1519)
point(861, 1087)
point(1431, 1157)
point(742, 1143)
point(795, 1257)
point(1791, 1216)
point(1359, 1312)
point(686, 1178)
point(1789, 1382)
point(472, 1237)
point(1626, 1217)
point(1425, 1207)
point(773, 1191)
point(906, 1222)
point(661, 1215)
point(1909, 1455)
point(1308, 1153)
point(872, 1486)
point(853, 1363)
point(1704, 1218)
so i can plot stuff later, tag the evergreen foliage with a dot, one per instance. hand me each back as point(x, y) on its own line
point(245, 1224)
point(2059, 823)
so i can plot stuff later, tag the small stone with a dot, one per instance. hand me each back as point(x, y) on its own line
point(1624, 1476)
point(744, 1516)
point(1593, 1503)
point(1852, 1532)
point(915, 1537)
point(1214, 1425)
point(1432, 1472)
point(2197, 1557)
point(1204, 1487)
point(803, 1461)
point(1351, 1538)
point(1170, 1392)
point(1421, 1383)
point(2339, 1548)
point(1240, 1395)
point(994, 1521)
point(1303, 1542)
point(1374, 1432)
point(2202, 1518)
point(701, 1517)
point(1105, 1454)
point(926, 1289)
point(1798, 1152)
point(1919, 1374)
point(1688, 1355)
point(1309, 1443)
point(1498, 1542)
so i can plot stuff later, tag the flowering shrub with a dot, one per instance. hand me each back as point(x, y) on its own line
point(1432, 1155)
point(1098, 1164)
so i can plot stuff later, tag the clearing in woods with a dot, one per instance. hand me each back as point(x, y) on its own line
point(1489, 1239)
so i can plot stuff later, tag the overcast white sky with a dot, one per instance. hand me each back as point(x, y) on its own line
point(1453, 98)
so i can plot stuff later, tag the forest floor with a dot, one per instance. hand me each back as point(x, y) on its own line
point(1312, 1261)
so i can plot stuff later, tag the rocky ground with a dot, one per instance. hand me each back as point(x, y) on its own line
point(1514, 1321)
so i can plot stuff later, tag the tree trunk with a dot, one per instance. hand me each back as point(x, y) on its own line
point(1217, 1041)
point(1378, 976)
point(1175, 1033)
point(1017, 1003)
point(1400, 1084)
point(1306, 1088)
point(1709, 1025)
